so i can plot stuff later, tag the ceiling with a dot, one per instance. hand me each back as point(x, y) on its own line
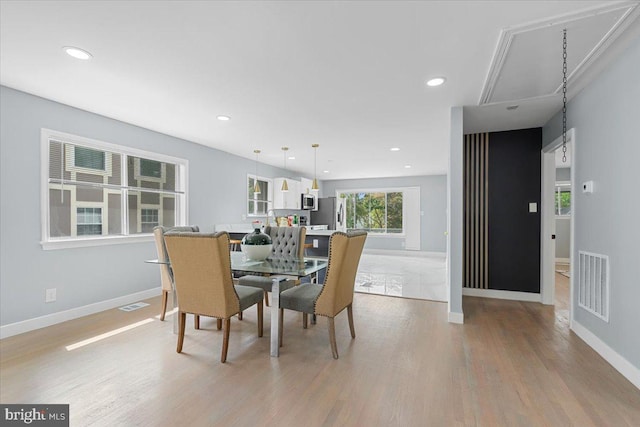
point(349, 76)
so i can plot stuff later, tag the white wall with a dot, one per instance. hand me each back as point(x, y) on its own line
point(217, 185)
point(433, 199)
point(606, 118)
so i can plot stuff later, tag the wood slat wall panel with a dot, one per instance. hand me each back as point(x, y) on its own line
point(476, 224)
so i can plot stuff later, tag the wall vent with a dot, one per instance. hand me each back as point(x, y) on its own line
point(593, 284)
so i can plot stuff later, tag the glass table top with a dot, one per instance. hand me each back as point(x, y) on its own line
point(286, 266)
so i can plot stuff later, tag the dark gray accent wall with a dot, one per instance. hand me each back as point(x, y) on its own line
point(433, 202)
point(217, 194)
point(514, 232)
point(605, 116)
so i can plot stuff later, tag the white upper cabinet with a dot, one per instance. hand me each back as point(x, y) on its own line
point(288, 200)
point(305, 186)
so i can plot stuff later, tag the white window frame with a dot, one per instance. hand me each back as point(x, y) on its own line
point(383, 190)
point(48, 243)
point(269, 195)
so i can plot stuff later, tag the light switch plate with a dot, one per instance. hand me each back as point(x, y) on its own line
point(533, 207)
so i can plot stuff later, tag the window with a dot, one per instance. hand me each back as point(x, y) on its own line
point(89, 221)
point(150, 168)
point(258, 204)
point(95, 190)
point(563, 199)
point(148, 219)
point(379, 212)
point(87, 158)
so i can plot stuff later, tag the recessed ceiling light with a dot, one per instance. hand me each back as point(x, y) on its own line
point(77, 53)
point(407, 166)
point(325, 171)
point(291, 157)
point(394, 149)
point(223, 118)
point(436, 81)
point(512, 107)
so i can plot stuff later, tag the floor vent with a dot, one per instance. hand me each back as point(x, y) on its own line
point(134, 306)
point(593, 284)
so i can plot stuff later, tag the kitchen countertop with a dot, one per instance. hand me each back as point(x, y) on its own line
point(245, 228)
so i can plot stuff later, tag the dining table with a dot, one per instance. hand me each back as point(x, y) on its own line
point(279, 269)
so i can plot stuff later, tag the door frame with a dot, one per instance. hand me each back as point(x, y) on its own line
point(547, 244)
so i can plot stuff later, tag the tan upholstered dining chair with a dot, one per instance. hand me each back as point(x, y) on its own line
point(336, 293)
point(288, 244)
point(166, 275)
point(202, 276)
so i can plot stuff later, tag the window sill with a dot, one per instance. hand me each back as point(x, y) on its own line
point(97, 241)
point(386, 235)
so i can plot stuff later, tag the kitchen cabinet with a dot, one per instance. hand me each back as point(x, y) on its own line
point(288, 200)
point(305, 185)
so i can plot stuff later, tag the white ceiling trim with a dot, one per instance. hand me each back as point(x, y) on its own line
point(507, 35)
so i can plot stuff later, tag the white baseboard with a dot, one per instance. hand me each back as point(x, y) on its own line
point(499, 294)
point(563, 260)
point(455, 317)
point(74, 313)
point(622, 365)
point(394, 252)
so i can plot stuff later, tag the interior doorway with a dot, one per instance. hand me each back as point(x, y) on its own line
point(558, 186)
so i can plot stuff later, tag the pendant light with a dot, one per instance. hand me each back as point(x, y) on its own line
point(314, 186)
point(285, 185)
point(256, 186)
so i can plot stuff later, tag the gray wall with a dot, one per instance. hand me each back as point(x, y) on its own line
point(606, 150)
point(563, 237)
point(433, 202)
point(563, 174)
point(217, 194)
point(563, 225)
point(455, 209)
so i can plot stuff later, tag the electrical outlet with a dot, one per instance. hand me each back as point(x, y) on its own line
point(315, 243)
point(50, 295)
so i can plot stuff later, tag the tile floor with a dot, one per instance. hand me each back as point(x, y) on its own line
point(421, 277)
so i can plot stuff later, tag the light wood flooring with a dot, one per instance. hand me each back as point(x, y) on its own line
point(510, 364)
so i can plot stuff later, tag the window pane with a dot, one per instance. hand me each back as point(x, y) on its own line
point(257, 203)
point(143, 215)
point(376, 212)
point(64, 203)
point(147, 173)
point(565, 203)
point(394, 212)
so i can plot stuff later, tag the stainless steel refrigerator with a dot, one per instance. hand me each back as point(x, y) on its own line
point(332, 212)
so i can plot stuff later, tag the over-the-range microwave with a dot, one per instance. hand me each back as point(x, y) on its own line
point(309, 202)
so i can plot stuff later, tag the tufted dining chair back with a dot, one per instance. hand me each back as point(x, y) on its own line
point(288, 242)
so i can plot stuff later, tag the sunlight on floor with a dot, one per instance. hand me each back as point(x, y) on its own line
point(107, 334)
point(404, 276)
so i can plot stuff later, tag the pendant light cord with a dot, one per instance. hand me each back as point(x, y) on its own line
point(564, 96)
